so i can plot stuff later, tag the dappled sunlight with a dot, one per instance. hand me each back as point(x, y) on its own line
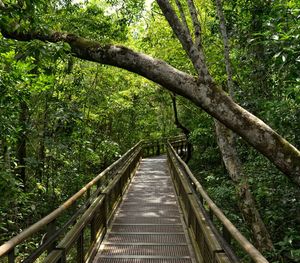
point(148, 222)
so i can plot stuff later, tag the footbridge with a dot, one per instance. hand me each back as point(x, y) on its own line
point(147, 207)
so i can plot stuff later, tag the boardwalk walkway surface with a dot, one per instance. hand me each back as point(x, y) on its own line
point(148, 226)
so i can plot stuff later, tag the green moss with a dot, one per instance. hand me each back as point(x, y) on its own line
point(82, 43)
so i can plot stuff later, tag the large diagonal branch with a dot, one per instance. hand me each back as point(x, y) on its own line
point(209, 97)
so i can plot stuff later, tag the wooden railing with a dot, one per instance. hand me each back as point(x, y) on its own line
point(158, 147)
point(211, 239)
point(77, 239)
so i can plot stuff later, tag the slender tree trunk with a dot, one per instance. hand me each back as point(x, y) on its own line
point(6, 155)
point(260, 74)
point(184, 129)
point(42, 148)
point(227, 146)
point(21, 142)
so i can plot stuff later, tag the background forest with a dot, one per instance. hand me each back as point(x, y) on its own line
point(63, 120)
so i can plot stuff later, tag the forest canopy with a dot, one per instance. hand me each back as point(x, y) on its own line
point(64, 117)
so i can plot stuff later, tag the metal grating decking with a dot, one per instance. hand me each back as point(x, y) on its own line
point(148, 227)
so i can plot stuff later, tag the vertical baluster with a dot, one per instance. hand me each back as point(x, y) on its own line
point(226, 235)
point(80, 248)
point(93, 228)
point(211, 214)
point(190, 211)
point(158, 148)
point(105, 209)
point(98, 184)
point(131, 168)
point(88, 194)
point(201, 199)
point(63, 258)
point(11, 256)
point(51, 228)
point(120, 184)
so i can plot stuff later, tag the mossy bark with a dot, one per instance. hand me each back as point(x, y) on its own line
point(228, 148)
point(246, 201)
point(206, 95)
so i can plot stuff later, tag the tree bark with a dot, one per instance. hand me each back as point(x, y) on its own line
point(227, 146)
point(204, 94)
point(42, 148)
point(6, 155)
point(184, 129)
point(246, 201)
point(21, 143)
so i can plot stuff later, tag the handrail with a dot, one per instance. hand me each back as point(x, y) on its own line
point(12, 243)
point(97, 217)
point(255, 255)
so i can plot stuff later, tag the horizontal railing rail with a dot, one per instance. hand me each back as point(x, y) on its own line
point(101, 197)
point(91, 209)
point(200, 212)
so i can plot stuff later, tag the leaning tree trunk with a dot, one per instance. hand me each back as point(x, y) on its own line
point(246, 201)
point(227, 146)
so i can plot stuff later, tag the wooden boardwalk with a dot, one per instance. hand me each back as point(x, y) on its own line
point(148, 225)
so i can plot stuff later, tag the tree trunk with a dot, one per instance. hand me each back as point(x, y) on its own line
point(185, 130)
point(21, 143)
point(42, 148)
point(202, 93)
point(227, 146)
point(246, 201)
point(6, 155)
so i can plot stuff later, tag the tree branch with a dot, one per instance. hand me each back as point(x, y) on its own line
point(208, 96)
point(186, 41)
point(178, 124)
point(226, 47)
point(183, 18)
point(184, 129)
point(196, 24)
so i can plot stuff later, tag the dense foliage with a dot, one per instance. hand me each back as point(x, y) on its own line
point(63, 120)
